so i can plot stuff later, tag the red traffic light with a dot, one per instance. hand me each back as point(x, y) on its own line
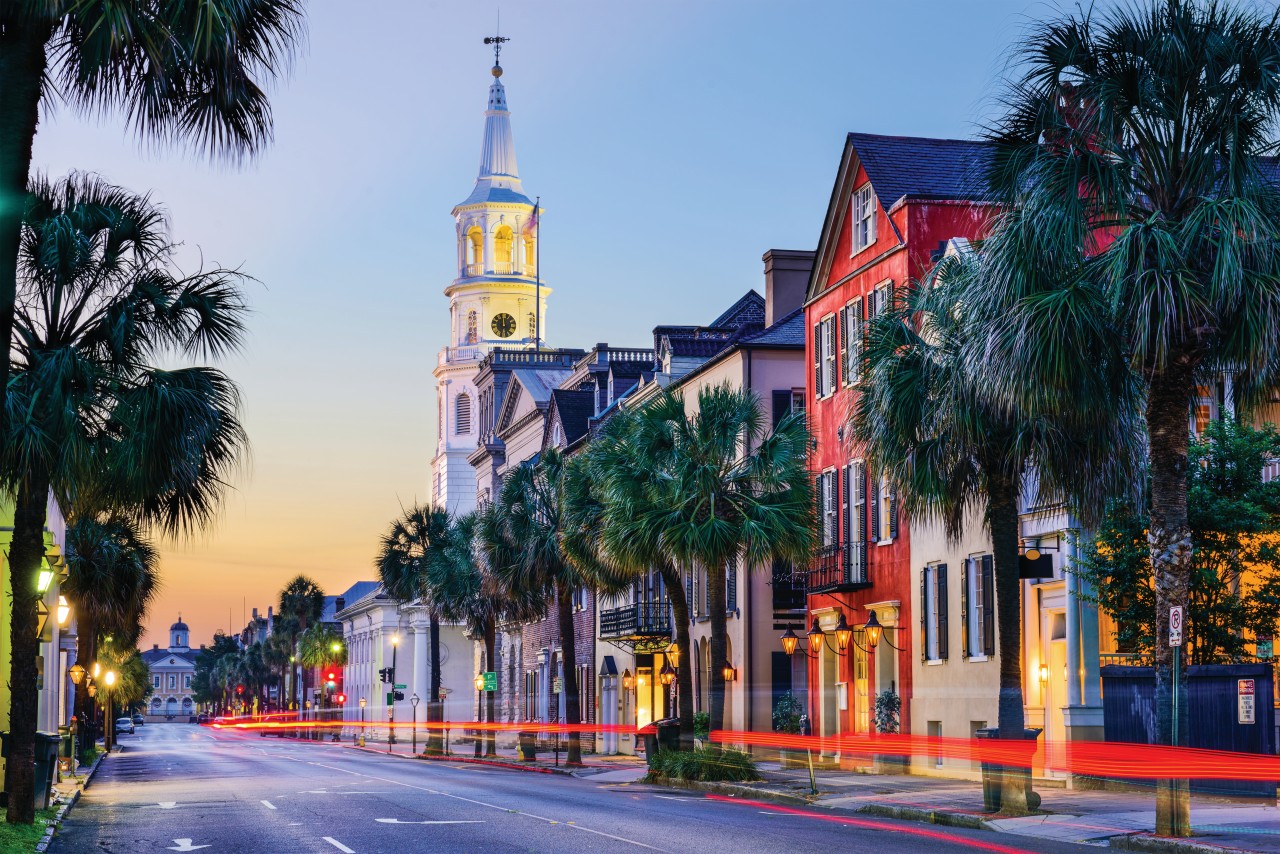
point(239, 689)
point(342, 698)
point(330, 676)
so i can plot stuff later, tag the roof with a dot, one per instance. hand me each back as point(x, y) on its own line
point(748, 309)
point(352, 595)
point(153, 656)
point(575, 409)
point(540, 384)
point(899, 166)
point(787, 332)
point(629, 369)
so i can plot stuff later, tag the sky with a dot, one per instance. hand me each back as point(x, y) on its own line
point(672, 144)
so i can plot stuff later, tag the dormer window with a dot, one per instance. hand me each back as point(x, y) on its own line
point(864, 218)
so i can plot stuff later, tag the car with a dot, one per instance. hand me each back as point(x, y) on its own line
point(125, 725)
point(139, 720)
point(202, 718)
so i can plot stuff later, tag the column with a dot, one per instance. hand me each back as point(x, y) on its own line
point(421, 636)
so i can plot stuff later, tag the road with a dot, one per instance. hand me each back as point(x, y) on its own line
point(179, 787)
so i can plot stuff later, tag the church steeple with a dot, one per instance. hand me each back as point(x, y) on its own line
point(499, 178)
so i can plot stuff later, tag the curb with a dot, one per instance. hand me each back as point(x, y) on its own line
point(948, 819)
point(47, 839)
point(734, 790)
point(1148, 842)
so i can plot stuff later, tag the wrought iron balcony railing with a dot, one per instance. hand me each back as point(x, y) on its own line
point(836, 568)
point(639, 620)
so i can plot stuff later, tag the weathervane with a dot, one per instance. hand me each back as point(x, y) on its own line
point(497, 42)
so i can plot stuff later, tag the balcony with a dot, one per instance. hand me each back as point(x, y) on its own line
point(639, 625)
point(452, 355)
point(473, 270)
point(837, 568)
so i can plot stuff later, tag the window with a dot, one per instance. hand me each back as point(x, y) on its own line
point(856, 520)
point(851, 332)
point(155, 681)
point(933, 612)
point(864, 218)
point(731, 587)
point(462, 415)
point(977, 606)
point(186, 681)
point(173, 681)
point(824, 356)
point(473, 328)
point(880, 300)
point(533, 326)
point(787, 401)
point(887, 511)
point(828, 490)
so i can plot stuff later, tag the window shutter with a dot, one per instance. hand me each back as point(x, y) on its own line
point(844, 347)
point(924, 613)
point(855, 341)
point(942, 611)
point(706, 594)
point(965, 642)
point(873, 486)
point(817, 360)
point(781, 405)
point(988, 606)
point(731, 587)
point(690, 594)
point(829, 342)
point(893, 510)
point(833, 504)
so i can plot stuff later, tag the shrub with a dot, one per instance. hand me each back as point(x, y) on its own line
point(702, 725)
point(888, 708)
point(787, 713)
point(709, 765)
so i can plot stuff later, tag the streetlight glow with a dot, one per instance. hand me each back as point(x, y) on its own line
point(64, 610)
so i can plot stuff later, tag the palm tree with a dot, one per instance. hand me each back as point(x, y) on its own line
point(277, 653)
point(930, 425)
point(112, 579)
point(612, 481)
point(90, 416)
point(301, 602)
point(413, 540)
point(178, 71)
point(320, 646)
point(727, 490)
point(1139, 233)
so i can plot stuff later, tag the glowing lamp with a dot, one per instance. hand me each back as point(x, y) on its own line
point(815, 634)
point(729, 673)
point(97, 669)
point(93, 691)
point(64, 610)
point(667, 675)
point(336, 647)
point(44, 580)
point(395, 639)
point(1044, 673)
point(76, 672)
point(362, 702)
point(110, 678)
point(479, 681)
point(873, 630)
point(628, 681)
point(789, 641)
point(673, 654)
point(843, 634)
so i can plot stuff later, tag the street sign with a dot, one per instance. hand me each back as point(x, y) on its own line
point(557, 685)
point(391, 697)
point(399, 686)
point(491, 681)
point(1246, 706)
point(1175, 626)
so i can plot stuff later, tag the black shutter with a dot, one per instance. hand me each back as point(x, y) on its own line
point(988, 606)
point(817, 360)
point(688, 594)
point(942, 611)
point(924, 614)
point(843, 353)
point(873, 487)
point(731, 587)
point(893, 511)
point(845, 489)
point(781, 405)
point(965, 641)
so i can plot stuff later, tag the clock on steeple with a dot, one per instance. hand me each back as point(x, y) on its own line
point(504, 325)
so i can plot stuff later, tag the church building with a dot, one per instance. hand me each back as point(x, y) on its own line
point(172, 670)
point(496, 299)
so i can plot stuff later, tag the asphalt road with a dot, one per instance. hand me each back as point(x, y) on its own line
point(179, 787)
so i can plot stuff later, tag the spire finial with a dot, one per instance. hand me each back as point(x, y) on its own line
point(497, 41)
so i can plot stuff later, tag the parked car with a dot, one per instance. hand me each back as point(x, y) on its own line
point(125, 725)
point(139, 720)
point(202, 719)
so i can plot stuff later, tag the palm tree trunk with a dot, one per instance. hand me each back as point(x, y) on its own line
point(1002, 510)
point(23, 63)
point(86, 651)
point(1169, 538)
point(684, 674)
point(569, 662)
point(25, 554)
point(491, 698)
point(719, 641)
point(435, 737)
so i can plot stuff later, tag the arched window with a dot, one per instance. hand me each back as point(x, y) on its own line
point(503, 250)
point(475, 251)
point(533, 326)
point(473, 328)
point(529, 257)
point(462, 415)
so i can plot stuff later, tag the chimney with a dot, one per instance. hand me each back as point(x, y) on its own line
point(155, 646)
point(255, 615)
point(339, 604)
point(786, 279)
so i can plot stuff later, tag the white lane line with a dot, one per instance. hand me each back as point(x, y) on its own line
point(269, 805)
point(398, 821)
point(336, 844)
point(508, 810)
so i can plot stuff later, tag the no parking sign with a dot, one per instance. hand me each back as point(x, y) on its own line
point(1246, 705)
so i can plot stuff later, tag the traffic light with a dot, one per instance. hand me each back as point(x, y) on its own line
point(239, 689)
point(399, 695)
point(342, 699)
point(330, 677)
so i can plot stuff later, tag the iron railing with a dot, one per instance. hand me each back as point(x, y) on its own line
point(842, 566)
point(639, 619)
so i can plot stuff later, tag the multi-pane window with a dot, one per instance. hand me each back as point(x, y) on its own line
point(186, 681)
point(173, 681)
point(824, 356)
point(851, 333)
point(933, 612)
point(977, 606)
point(155, 681)
point(462, 415)
point(864, 218)
point(856, 520)
point(828, 492)
point(887, 504)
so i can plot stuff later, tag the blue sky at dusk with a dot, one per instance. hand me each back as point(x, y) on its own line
point(672, 143)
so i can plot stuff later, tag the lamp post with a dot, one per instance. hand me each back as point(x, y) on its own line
point(479, 682)
point(109, 678)
point(391, 707)
point(361, 736)
point(413, 702)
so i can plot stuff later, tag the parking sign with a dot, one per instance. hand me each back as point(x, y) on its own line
point(1175, 626)
point(1246, 708)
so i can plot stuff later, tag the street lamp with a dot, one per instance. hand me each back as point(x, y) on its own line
point(64, 610)
point(413, 701)
point(628, 681)
point(730, 673)
point(76, 672)
point(673, 654)
point(110, 679)
point(92, 690)
point(391, 707)
point(668, 674)
point(479, 681)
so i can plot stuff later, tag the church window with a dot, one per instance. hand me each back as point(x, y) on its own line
point(503, 250)
point(473, 328)
point(475, 251)
point(528, 255)
point(864, 218)
point(533, 326)
point(462, 417)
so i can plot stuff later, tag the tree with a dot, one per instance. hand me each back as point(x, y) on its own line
point(1138, 234)
point(320, 646)
point(91, 418)
point(620, 467)
point(277, 655)
point(301, 602)
point(1234, 595)
point(178, 71)
point(927, 422)
point(728, 490)
point(417, 537)
point(207, 686)
point(112, 579)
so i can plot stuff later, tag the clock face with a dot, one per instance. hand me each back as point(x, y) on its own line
point(504, 325)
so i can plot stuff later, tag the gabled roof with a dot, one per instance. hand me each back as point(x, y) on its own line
point(787, 332)
point(538, 384)
point(572, 409)
point(156, 656)
point(353, 594)
point(747, 310)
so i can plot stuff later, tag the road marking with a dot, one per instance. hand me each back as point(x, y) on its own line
point(398, 821)
point(167, 805)
point(185, 845)
point(269, 805)
point(336, 844)
point(672, 798)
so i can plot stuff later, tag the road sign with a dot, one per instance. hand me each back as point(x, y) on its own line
point(399, 686)
point(391, 697)
point(1175, 626)
point(491, 680)
point(1246, 705)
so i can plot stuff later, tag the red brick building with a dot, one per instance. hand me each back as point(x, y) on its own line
point(896, 202)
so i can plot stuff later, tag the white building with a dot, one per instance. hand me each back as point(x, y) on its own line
point(494, 300)
point(172, 671)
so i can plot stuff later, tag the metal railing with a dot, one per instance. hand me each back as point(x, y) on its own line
point(836, 566)
point(1128, 659)
point(473, 270)
point(459, 354)
point(639, 619)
